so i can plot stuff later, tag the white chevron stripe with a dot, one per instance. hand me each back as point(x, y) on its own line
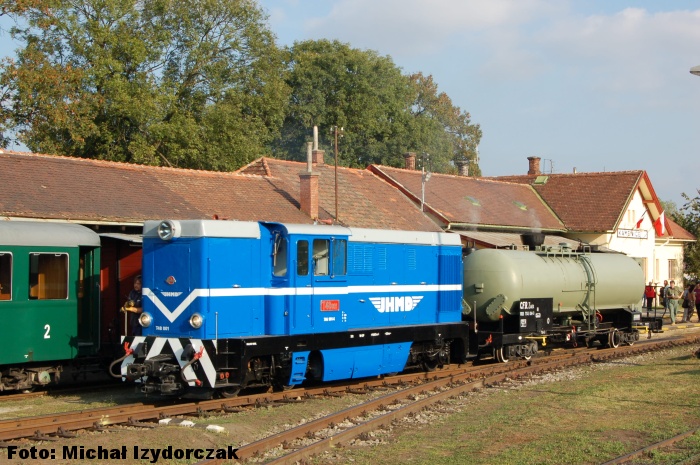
point(264, 291)
point(130, 359)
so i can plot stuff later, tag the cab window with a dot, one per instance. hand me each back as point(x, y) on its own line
point(321, 255)
point(48, 276)
point(303, 258)
point(5, 276)
point(340, 247)
point(279, 256)
point(330, 257)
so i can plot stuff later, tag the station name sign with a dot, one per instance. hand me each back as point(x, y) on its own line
point(633, 233)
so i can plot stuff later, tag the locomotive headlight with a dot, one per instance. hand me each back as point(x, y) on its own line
point(196, 320)
point(145, 319)
point(168, 229)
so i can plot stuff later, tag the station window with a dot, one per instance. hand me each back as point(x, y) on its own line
point(48, 276)
point(303, 258)
point(279, 256)
point(5, 276)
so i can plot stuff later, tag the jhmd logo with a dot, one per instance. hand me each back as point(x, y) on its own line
point(395, 304)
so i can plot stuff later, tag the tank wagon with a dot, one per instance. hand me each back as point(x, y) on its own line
point(49, 300)
point(231, 304)
point(518, 301)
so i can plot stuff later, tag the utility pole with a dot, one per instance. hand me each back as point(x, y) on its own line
point(338, 132)
point(425, 177)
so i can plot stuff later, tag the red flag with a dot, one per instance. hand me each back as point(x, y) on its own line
point(639, 223)
point(660, 225)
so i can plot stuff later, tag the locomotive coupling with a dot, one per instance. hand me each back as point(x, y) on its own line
point(159, 366)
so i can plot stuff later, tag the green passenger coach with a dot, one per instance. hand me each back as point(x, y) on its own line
point(49, 300)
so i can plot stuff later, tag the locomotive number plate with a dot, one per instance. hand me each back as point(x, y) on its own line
point(330, 305)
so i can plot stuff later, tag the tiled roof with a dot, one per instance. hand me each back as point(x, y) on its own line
point(364, 200)
point(75, 189)
point(588, 202)
point(677, 231)
point(468, 201)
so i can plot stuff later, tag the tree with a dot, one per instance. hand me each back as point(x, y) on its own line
point(688, 217)
point(383, 112)
point(442, 128)
point(193, 83)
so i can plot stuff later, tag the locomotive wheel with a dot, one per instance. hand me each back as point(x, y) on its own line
point(228, 393)
point(501, 355)
point(614, 338)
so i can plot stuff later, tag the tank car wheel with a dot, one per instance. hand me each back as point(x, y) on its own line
point(228, 393)
point(614, 338)
point(501, 355)
point(429, 365)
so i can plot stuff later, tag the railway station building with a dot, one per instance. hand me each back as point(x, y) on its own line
point(613, 210)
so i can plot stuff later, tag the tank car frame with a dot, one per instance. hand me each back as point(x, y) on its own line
point(507, 297)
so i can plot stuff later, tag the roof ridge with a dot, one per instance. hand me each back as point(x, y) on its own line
point(115, 164)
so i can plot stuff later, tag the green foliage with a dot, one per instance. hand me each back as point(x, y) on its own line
point(193, 83)
point(383, 113)
point(201, 84)
point(689, 218)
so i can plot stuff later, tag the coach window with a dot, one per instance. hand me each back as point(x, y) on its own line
point(5, 276)
point(279, 256)
point(303, 258)
point(48, 276)
point(340, 247)
point(321, 254)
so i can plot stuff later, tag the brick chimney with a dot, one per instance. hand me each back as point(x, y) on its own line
point(308, 185)
point(534, 167)
point(308, 195)
point(410, 159)
point(317, 157)
point(462, 167)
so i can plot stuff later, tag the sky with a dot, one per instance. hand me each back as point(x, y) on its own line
point(594, 85)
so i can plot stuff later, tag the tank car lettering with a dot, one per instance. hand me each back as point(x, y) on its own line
point(395, 304)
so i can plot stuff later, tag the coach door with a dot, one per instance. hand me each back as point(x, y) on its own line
point(89, 300)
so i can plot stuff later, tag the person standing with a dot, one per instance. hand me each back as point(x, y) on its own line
point(649, 294)
point(673, 295)
point(135, 307)
point(697, 300)
point(691, 302)
point(662, 296)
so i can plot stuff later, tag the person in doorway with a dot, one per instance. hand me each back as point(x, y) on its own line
point(649, 294)
point(673, 295)
point(134, 306)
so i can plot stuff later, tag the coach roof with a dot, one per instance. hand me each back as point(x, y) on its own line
point(39, 233)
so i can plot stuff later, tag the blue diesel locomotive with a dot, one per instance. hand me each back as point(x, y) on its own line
point(230, 304)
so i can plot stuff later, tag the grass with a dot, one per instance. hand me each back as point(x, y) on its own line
point(588, 416)
point(584, 416)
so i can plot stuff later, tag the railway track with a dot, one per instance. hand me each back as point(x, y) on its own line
point(338, 429)
point(435, 386)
